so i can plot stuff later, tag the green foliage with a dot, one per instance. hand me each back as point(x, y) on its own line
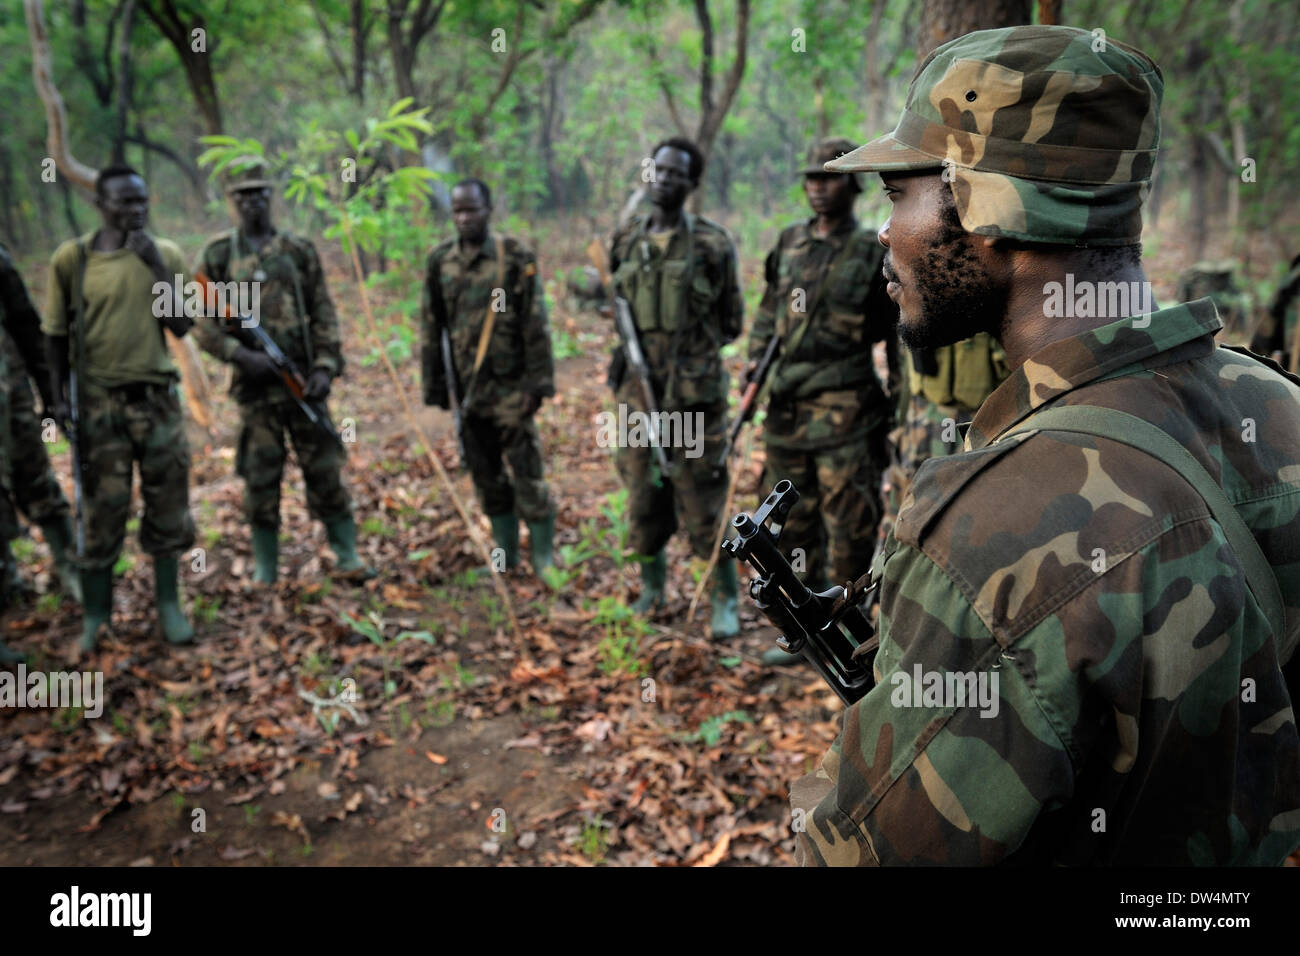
point(711, 729)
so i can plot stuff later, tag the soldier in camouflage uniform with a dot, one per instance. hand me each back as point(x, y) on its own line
point(100, 321)
point(503, 371)
point(28, 480)
point(1123, 626)
point(1276, 331)
point(298, 315)
point(678, 274)
point(827, 415)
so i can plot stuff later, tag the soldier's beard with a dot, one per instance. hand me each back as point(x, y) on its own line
point(959, 297)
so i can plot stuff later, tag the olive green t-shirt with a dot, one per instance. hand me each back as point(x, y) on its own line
point(124, 340)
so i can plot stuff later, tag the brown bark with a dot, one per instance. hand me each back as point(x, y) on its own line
point(56, 119)
point(944, 20)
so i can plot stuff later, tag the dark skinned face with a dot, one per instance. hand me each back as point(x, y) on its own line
point(673, 181)
point(942, 278)
point(125, 204)
point(470, 213)
point(829, 194)
point(254, 208)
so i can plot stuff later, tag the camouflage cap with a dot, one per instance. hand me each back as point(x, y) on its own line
point(247, 173)
point(823, 152)
point(1047, 133)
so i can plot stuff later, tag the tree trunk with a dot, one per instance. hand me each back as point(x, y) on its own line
point(124, 82)
point(944, 20)
point(196, 63)
point(56, 119)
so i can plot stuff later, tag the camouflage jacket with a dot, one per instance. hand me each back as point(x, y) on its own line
point(1141, 715)
point(458, 294)
point(295, 307)
point(24, 341)
point(686, 303)
point(825, 392)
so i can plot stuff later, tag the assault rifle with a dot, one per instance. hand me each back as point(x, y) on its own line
point(832, 629)
point(253, 336)
point(632, 351)
point(453, 400)
point(749, 400)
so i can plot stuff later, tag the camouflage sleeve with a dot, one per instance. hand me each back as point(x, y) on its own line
point(432, 319)
point(539, 365)
point(22, 321)
point(765, 318)
point(913, 779)
point(207, 330)
point(731, 305)
point(326, 347)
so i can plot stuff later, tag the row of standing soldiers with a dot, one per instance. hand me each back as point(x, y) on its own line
point(828, 425)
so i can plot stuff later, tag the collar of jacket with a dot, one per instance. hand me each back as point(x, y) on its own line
point(1172, 335)
point(847, 227)
point(488, 250)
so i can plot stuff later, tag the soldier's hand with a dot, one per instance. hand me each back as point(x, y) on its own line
point(532, 402)
point(318, 385)
point(747, 374)
point(255, 365)
point(140, 243)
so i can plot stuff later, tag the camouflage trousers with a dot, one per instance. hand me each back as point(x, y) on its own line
point(930, 431)
point(520, 485)
point(28, 482)
point(261, 455)
point(122, 427)
point(693, 495)
point(839, 506)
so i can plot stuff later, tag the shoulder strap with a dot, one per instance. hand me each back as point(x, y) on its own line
point(1142, 435)
point(485, 333)
point(79, 307)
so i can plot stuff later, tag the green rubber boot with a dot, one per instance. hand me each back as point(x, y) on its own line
point(725, 621)
point(779, 658)
point(96, 604)
point(654, 574)
point(171, 618)
point(58, 535)
point(505, 532)
point(342, 535)
point(266, 554)
point(541, 542)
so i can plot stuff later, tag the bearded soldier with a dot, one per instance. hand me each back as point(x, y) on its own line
point(1086, 615)
point(483, 289)
point(101, 327)
point(297, 314)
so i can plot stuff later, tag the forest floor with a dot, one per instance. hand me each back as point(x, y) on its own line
point(582, 737)
point(585, 737)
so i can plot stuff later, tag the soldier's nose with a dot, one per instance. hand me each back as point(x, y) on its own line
point(884, 233)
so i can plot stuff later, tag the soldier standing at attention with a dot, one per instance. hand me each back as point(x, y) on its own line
point(678, 274)
point(1084, 616)
point(298, 315)
point(31, 482)
point(100, 323)
point(828, 416)
point(484, 289)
